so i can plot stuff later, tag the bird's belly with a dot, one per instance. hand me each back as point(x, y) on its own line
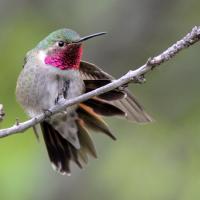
point(42, 89)
point(33, 91)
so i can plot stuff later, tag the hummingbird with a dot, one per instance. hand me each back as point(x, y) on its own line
point(54, 70)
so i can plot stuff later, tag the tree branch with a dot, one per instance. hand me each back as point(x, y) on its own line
point(132, 76)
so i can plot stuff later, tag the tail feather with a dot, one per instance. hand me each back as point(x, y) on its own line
point(75, 158)
point(93, 121)
point(83, 157)
point(61, 152)
point(85, 139)
point(104, 108)
point(57, 148)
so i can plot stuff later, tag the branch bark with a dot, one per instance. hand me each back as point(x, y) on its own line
point(132, 76)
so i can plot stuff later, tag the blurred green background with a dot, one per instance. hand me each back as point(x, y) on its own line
point(159, 161)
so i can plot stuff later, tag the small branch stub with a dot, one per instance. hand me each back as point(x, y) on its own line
point(2, 113)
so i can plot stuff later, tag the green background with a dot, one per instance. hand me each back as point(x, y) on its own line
point(158, 161)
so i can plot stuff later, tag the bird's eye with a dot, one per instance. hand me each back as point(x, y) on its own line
point(61, 43)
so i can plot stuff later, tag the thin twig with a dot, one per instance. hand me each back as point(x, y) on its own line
point(132, 76)
point(2, 113)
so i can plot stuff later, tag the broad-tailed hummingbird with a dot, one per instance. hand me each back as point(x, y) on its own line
point(53, 70)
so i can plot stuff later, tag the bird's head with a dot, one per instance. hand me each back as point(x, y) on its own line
point(63, 48)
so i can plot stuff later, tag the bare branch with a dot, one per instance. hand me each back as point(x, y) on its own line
point(136, 76)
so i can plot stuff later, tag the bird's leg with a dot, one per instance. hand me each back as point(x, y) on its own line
point(59, 99)
point(47, 113)
point(139, 79)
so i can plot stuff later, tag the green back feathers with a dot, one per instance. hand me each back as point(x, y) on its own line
point(66, 35)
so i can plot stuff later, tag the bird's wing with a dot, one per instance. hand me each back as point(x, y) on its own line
point(95, 77)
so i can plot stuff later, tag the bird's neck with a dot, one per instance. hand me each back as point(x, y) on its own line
point(64, 59)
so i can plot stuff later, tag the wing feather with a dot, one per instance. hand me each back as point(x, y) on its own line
point(134, 111)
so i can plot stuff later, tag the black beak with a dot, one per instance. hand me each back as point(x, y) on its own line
point(89, 37)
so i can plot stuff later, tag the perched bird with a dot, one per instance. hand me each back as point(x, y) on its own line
point(53, 70)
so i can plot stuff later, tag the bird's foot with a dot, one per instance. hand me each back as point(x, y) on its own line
point(47, 113)
point(59, 99)
point(139, 79)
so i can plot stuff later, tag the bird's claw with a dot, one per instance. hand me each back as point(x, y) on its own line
point(139, 79)
point(59, 99)
point(47, 113)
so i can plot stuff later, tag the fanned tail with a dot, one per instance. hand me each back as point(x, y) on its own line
point(61, 152)
point(93, 121)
